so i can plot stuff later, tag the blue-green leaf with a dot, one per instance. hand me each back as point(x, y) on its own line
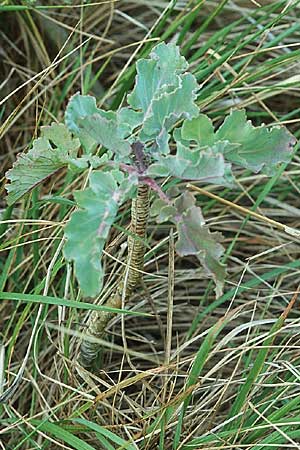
point(105, 131)
point(194, 237)
point(200, 130)
point(94, 126)
point(169, 107)
point(259, 148)
point(128, 120)
point(163, 91)
point(191, 164)
point(55, 149)
point(156, 75)
point(88, 228)
point(205, 155)
point(254, 148)
point(81, 106)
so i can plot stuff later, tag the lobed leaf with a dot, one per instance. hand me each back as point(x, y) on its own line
point(94, 126)
point(155, 75)
point(194, 237)
point(205, 155)
point(200, 129)
point(204, 162)
point(191, 164)
point(105, 132)
point(170, 106)
point(128, 120)
point(81, 106)
point(55, 149)
point(163, 91)
point(88, 228)
point(254, 148)
point(259, 148)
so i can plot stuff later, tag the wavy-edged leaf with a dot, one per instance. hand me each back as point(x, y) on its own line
point(156, 74)
point(128, 121)
point(105, 132)
point(206, 164)
point(94, 126)
point(170, 106)
point(79, 108)
point(254, 148)
point(86, 161)
point(88, 228)
point(200, 129)
point(163, 91)
point(55, 149)
point(203, 161)
point(260, 148)
point(162, 142)
point(194, 237)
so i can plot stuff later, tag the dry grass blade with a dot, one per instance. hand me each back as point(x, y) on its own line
point(288, 230)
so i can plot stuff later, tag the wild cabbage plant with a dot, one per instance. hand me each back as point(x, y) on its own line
point(159, 134)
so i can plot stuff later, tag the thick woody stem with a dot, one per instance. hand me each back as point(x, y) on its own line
point(136, 240)
point(130, 278)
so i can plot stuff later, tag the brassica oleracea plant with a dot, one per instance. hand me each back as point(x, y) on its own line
point(160, 133)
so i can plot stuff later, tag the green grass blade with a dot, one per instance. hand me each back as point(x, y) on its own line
point(35, 298)
point(198, 364)
point(60, 433)
point(203, 27)
point(106, 433)
point(259, 362)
